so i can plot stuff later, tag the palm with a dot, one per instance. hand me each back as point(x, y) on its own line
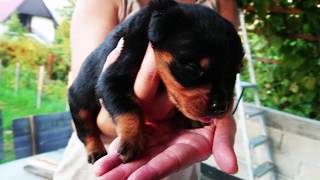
point(168, 151)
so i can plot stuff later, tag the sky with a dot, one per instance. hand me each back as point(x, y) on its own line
point(53, 5)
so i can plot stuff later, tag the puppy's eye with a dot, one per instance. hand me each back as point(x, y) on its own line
point(187, 74)
point(193, 69)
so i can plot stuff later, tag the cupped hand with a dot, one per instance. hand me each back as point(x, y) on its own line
point(172, 150)
point(168, 150)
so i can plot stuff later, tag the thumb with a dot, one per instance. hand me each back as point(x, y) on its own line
point(223, 142)
point(112, 57)
point(147, 80)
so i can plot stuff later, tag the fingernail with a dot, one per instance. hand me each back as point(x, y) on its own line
point(120, 44)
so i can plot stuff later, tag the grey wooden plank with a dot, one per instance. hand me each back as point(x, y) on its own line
point(22, 152)
point(52, 131)
point(54, 135)
point(289, 122)
point(50, 146)
point(20, 127)
point(22, 140)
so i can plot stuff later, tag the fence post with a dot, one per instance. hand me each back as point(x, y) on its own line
point(40, 85)
point(16, 87)
point(1, 65)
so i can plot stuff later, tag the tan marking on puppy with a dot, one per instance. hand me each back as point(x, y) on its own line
point(204, 63)
point(84, 114)
point(130, 130)
point(94, 144)
point(92, 141)
point(191, 102)
point(88, 120)
point(164, 56)
point(129, 125)
point(105, 124)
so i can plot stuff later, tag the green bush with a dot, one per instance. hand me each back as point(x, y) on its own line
point(16, 47)
point(289, 80)
point(62, 52)
point(25, 50)
point(14, 25)
point(286, 33)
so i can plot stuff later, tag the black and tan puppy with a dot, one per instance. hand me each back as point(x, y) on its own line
point(198, 54)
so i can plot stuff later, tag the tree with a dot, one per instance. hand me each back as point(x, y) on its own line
point(14, 25)
point(61, 44)
point(286, 33)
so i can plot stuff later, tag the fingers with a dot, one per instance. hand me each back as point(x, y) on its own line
point(187, 148)
point(223, 145)
point(146, 89)
point(147, 80)
point(122, 171)
point(101, 167)
point(112, 57)
point(165, 157)
point(159, 109)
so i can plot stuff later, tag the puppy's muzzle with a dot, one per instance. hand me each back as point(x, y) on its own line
point(218, 108)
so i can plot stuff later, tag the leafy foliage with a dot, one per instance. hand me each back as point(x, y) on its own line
point(61, 44)
point(24, 50)
point(61, 49)
point(15, 26)
point(287, 32)
point(16, 47)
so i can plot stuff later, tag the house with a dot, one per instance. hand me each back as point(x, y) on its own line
point(38, 16)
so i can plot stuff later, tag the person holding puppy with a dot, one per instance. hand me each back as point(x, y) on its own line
point(171, 151)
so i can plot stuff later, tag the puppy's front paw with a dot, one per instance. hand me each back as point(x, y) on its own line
point(94, 156)
point(131, 147)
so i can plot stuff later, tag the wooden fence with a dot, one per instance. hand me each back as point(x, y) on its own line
point(41, 80)
point(42, 133)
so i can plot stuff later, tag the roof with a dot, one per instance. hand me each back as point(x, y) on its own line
point(28, 7)
point(7, 7)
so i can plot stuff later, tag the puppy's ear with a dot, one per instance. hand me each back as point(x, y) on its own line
point(162, 18)
point(161, 5)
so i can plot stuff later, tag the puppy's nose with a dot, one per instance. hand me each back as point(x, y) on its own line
point(218, 108)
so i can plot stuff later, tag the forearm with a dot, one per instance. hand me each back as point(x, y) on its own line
point(91, 22)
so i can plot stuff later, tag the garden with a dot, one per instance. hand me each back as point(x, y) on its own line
point(285, 42)
point(21, 57)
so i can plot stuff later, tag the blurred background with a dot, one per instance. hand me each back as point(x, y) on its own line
point(33, 34)
point(284, 37)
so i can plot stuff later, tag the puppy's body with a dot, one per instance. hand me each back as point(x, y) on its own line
point(198, 54)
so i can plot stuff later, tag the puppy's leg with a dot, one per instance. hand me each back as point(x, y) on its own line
point(105, 123)
point(115, 87)
point(84, 118)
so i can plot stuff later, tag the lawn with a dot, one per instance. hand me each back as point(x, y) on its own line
point(23, 103)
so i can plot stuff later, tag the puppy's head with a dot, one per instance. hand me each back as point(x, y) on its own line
point(198, 56)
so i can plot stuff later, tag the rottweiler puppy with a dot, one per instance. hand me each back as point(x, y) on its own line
point(198, 54)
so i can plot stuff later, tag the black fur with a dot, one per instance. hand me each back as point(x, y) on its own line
point(188, 32)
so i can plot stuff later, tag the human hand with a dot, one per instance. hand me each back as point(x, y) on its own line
point(165, 141)
point(170, 150)
point(146, 86)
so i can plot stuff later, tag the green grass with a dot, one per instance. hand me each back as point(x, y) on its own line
point(23, 103)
